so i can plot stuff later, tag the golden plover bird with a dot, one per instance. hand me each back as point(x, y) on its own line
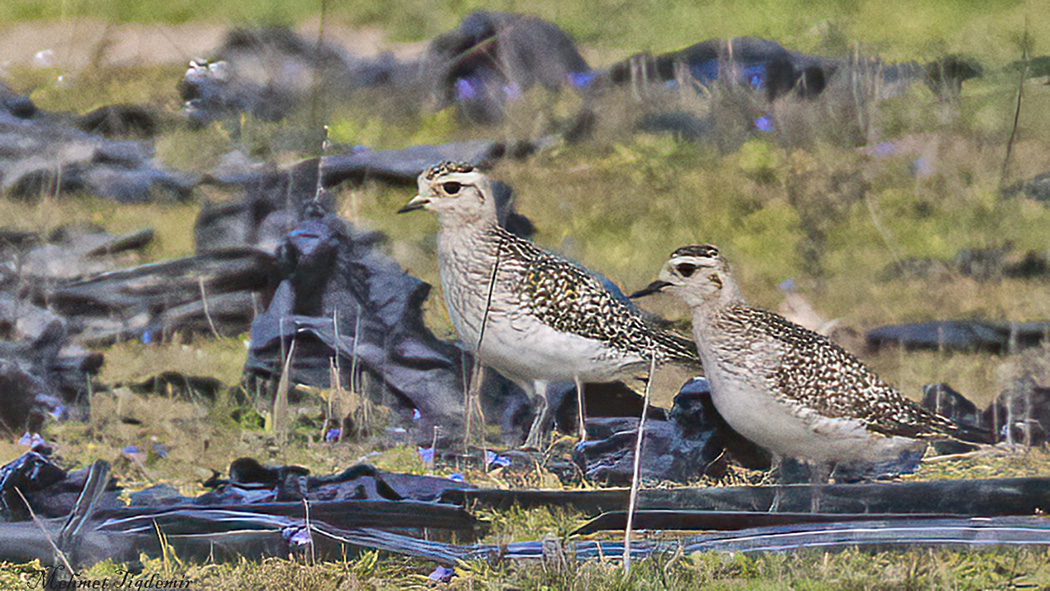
point(527, 313)
point(789, 389)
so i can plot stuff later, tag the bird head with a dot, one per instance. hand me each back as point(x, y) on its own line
point(697, 274)
point(455, 191)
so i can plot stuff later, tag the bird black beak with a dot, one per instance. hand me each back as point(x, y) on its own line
point(417, 202)
point(650, 289)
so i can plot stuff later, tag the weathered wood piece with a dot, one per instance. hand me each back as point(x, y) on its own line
point(987, 497)
point(671, 520)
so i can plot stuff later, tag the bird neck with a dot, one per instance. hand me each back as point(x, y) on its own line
point(719, 302)
point(730, 295)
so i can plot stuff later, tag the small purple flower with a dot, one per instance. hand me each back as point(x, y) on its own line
point(512, 91)
point(492, 459)
point(764, 123)
point(416, 415)
point(921, 167)
point(787, 285)
point(581, 79)
point(884, 149)
point(333, 435)
point(32, 440)
point(456, 477)
point(297, 535)
point(465, 90)
point(147, 339)
point(426, 454)
point(755, 76)
point(129, 450)
point(57, 412)
point(441, 574)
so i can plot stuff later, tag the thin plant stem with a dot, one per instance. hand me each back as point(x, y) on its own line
point(636, 478)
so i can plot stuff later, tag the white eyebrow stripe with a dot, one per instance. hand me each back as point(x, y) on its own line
point(693, 260)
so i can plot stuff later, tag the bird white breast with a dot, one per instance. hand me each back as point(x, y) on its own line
point(515, 343)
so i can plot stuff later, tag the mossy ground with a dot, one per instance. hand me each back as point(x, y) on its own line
point(832, 218)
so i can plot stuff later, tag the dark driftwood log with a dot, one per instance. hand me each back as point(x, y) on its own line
point(876, 534)
point(996, 496)
point(267, 536)
point(403, 516)
point(656, 519)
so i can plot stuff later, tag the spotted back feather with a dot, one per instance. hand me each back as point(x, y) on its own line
point(817, 374)
point(569, 298)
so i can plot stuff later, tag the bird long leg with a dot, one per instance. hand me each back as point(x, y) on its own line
point(581, 411)
point(539, 423)
point(778, 475)
point(819, 475)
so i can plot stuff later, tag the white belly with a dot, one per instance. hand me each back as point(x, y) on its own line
point(536, 351)
point(786, 431)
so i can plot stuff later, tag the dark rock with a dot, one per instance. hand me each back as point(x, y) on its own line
point(270, 72)
point(157, 495)
point(1037, 67)
point(947, 402)
point(1037, 188)
point(694, 441)
point(682, 125)
point(949, 335)
point(48, 155)
point(761, 64)
point(75, 252)
point(612, 399)
point(274, 201)
point(1021, 414)
point(50, 490)
point(18, 106)
point(341, 296)
point(174, 384)
point(961, 335)
point(981, 264)
point(120, 120)
point(38, 376)
point(491, 58)
point(251, 482)
point(946, 75)
point(202, 294)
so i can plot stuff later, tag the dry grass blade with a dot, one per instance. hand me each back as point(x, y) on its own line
point(280, 400)
point(207, 313)
point(636, 476)
point(60, 556)
point(472, 404)
point(1017, 110)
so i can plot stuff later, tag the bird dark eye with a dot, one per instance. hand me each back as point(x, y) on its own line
point(451, 187)
point(685, 269)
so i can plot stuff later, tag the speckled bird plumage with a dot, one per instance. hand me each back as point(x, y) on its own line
point(548, 319)
point(819, 375)
point(787, 388)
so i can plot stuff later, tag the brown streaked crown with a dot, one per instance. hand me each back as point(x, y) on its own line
point(447, 167)
point(696, 250)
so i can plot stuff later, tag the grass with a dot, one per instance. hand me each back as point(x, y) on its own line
point(848, 571)
point(921, 30)
point(809, 208)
